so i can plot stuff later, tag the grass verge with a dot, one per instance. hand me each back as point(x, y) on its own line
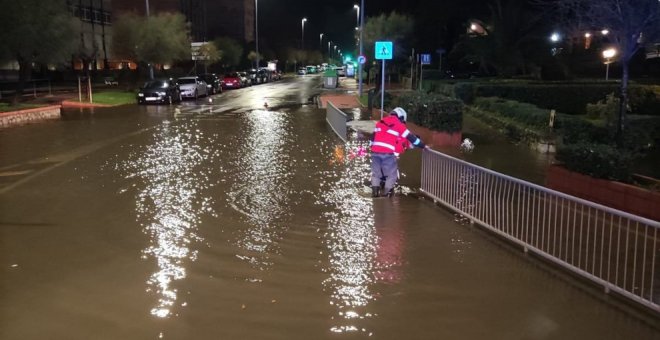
point(4, 107)
point(114, 97)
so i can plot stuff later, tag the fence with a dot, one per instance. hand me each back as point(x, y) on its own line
point(32, 87)
point(612, 248)
point(337, 120)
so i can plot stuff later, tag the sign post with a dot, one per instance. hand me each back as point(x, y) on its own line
point(384, 51)
point(425, 60)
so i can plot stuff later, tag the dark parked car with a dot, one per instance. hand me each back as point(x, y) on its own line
point(213, 83)
point(263, 75)
point(232, 81)
point(159, 91)
point(245, 79)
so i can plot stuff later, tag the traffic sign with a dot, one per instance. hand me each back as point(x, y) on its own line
point(384, 50)
point(426, 59)
point(362, 59)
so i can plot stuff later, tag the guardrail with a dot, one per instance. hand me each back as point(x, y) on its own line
point(612, 248)
point(337, 120)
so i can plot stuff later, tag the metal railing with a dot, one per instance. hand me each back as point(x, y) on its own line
point(612, 248)
point(337, 120)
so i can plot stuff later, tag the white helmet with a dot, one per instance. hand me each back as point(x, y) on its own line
point(401, 113)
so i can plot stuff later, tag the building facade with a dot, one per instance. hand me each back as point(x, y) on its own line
point(231, 18)
point(194, 11)
point(95, 30)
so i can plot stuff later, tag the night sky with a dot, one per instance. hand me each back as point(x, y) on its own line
point(280, 20)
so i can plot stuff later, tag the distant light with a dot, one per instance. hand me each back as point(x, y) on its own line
point(555, 37)
point(609, 53)
point(473, 27)
point(587, 35)
point(605, 32)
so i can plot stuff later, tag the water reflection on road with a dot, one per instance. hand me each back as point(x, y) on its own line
point(350, 238)
point(261, 191)
point(169, 184)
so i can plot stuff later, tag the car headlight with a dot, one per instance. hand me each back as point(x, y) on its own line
point(140, 94)
point(162, 94)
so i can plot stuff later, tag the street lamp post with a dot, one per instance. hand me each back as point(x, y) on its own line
point(302, 39)
point(608, 54)
point(329, 55)
point(361, 25)
point(321, 41)
point(256, 29)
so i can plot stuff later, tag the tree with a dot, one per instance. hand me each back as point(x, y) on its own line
point(630, 23)
point(157, 39)
point(252, 57)
point(209, 54)
point(34, 31)
point(507, 43)
point(394, 27)
point(230, 50)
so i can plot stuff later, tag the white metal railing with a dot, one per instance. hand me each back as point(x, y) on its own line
point(614, 249)
point(337, 120)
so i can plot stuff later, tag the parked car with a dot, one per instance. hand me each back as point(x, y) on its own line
point(264, 75)
point(232, 81)
point(192, 87)
point(159, 91)
point(245, 80)
point(275, 75)
point(213, 83)
point(302, 71)
point(252, 75)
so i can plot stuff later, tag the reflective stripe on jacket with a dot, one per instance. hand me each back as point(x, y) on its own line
point(388, 131)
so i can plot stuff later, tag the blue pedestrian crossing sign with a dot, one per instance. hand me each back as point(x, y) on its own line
point(384, 50)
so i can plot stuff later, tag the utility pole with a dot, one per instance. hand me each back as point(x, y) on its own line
point(361, 51)
point(256, 29)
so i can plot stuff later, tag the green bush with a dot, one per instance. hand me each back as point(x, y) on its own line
point(605, 109)
point(644, 99)
point(433, 111)
point(597, 160)
point(567, 97)
point(572, 129)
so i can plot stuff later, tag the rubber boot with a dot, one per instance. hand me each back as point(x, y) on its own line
point(375, 191)
point(388, 193)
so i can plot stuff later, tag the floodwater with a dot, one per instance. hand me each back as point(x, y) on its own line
point(201, 222)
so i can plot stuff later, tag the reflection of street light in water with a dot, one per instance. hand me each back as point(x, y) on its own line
point(608, 54)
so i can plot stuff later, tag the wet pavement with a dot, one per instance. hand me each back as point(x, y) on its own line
point(227, 220)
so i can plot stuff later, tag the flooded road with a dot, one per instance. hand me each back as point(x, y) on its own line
point(225, 220)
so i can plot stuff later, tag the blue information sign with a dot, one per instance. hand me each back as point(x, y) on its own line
point(426, 59)
point(362, 59)
point(384, 50)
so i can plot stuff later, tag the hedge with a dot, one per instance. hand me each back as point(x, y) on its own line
point(570, 98)
point(433, 111)
point(597, 160)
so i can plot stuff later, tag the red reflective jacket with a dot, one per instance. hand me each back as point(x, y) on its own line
point(387, 133)
point(402, 144)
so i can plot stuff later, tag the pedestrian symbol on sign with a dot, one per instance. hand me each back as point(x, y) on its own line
point(384, 50)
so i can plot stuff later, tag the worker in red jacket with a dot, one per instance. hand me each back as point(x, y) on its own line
point(384, 147)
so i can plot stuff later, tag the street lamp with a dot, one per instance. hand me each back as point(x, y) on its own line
point(357, 8)
point(256, 30)
point(608, 54)
point(321, 40)
point(360, 23)
point(555, 37)
point(302, 40)
point(329, 42)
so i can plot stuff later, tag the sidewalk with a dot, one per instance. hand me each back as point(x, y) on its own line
point(343, 97)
